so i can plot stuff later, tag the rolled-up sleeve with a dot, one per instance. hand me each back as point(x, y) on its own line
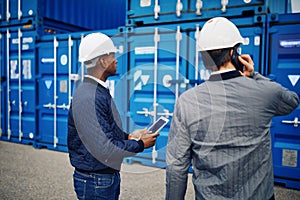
point(178, 155)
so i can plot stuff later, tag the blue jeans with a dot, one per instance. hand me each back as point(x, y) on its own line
point(97, 186)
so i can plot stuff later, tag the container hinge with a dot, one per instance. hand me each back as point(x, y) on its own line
point(74, 77)
point(199, 5)
point(296, 122)
point(120, 50)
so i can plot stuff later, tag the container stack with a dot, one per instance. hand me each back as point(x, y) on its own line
point(38, 65)
point(164, 62)
point(158, 60)
point(283, 34)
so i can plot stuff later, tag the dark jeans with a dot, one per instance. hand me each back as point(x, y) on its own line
point(97, 186)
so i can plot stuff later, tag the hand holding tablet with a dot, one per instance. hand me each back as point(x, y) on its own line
point(158, 124)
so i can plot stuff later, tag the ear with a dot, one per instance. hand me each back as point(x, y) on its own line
point(231, 52)
point(102, 62)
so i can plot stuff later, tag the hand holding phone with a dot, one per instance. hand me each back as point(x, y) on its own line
point(236, 62)
point(247, 61)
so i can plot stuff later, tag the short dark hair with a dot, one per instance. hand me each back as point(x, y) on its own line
point(214, 59)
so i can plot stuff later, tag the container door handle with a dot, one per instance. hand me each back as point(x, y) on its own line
point(166, 113)
point(146, 112)
point(49, 105)
point(63, 106)
point(296, 122)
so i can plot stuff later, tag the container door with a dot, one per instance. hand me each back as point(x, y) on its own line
point(59, 74)
point(57, 60)
point(284, 53)
point(13, 11)
point(20, 89)
point(156, 58)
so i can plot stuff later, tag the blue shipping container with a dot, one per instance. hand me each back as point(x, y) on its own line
point(87, 15)
point(58, 74)
point(143, 12)
point(284, 67)
point(18, 87)
point(164, 62)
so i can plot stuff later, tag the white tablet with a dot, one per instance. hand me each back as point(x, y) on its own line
point(158, 124)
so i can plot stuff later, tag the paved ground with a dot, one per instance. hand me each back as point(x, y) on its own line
point(27, 173)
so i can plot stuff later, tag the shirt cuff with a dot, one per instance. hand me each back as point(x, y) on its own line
point(141, 146)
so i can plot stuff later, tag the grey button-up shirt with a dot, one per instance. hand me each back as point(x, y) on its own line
point(223, 127)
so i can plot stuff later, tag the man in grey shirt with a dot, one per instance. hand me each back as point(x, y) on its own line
point(223, 125)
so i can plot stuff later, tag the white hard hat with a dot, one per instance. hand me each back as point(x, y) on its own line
point(94, 45)
point(219, 33)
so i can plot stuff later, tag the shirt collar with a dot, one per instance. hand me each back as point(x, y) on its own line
point(104, 84)
point(222, 71)
point(224, 76)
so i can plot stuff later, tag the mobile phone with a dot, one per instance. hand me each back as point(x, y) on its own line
point(236, 62)
point(158, 124)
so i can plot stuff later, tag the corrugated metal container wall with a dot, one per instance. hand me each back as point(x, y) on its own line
point(164, 62)
point(59, 72)
point(284, 6)
point(142, 12)
point(18, 86)
point(92, 14)
point(284, 67)
point(88, 14)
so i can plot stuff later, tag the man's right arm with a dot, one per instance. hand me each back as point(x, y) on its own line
point(178, 157)
point(285, 102)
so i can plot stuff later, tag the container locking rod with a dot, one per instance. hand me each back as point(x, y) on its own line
point(178, 8)
point(296, 122)
point(156, 9)
point(199, 5)
point(224, 4)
